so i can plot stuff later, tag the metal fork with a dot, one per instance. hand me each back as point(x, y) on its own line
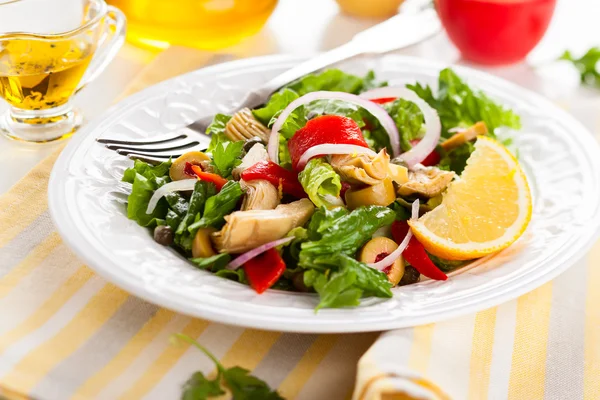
point(403, 30)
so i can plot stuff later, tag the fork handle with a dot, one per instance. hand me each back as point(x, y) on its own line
point(260, 95)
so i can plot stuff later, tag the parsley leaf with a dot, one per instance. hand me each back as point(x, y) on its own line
point(241, 384)
point(199, 387)
point(216, 130)
point(226, 156)
point(588, 66)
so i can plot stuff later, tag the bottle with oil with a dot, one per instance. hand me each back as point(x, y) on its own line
point(204, 24)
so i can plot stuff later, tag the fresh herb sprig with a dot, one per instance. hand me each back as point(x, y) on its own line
point(588, 66)
point(240, 383)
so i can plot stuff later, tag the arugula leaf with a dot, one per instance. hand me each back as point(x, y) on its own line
point(459, 105)
point(409, 121)
point(321, 183)
point(242, 385)
point(217, 131)
point(212, 263)
point(402, 213)
point(202, 191)
point(446, 265)
point(145, 179)
point(226, 156)
point(218, 206)
point(588, 66)
point(456, 159)
point(276, 103)
point(338, 232)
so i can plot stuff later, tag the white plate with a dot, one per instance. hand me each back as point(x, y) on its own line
point(86, 199)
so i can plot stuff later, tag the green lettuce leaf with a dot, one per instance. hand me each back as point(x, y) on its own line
point(145, 179)
point(459, 105)
point(456, 159)
point(334, 80)
point(276, 104)
point(321, 183)
point(334, 232)
point(409, 121)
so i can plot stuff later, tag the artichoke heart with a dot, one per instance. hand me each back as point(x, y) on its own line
point(260, 195)
point(362, 169)
point(245, 230)
point(426, 182)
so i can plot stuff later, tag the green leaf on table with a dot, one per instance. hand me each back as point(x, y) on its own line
point(239, 381)
point(588, 66)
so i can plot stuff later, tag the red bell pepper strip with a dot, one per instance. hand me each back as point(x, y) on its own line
point(383, 100)
point(415, 253)
point(206, 176)
point(432, 159)
point(325, 129)
point(276, 175)
point(264, 270)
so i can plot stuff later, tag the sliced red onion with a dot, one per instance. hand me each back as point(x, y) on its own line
point(433, 125)
point(394, 255)
point(242, 259)
point(175, 186)
point(326, 149)
point(386, 121)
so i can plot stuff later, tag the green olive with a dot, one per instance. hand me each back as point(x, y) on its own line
point(202, 246)
point(382, 194)
point(378, 248)
point(177, 170)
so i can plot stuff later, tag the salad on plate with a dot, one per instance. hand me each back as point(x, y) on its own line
point(343, 186)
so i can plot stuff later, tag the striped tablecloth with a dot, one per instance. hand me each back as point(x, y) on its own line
point(67, 333)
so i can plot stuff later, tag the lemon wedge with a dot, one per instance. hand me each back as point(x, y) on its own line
point(484, 211)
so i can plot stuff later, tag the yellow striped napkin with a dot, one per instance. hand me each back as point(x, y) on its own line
point(65, 333)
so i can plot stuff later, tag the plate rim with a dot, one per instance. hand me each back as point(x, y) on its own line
point(67, 227)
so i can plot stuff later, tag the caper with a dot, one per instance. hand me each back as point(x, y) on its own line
point(163, 234)
point(411, 275)
point(251, 142)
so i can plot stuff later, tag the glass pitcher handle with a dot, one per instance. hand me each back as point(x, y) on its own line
point(108, 46)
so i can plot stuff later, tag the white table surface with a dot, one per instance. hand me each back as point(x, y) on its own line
point(317, 25)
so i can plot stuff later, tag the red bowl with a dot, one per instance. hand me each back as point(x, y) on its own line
point(495, 32)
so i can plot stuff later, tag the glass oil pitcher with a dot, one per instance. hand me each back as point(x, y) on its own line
point(40, 72)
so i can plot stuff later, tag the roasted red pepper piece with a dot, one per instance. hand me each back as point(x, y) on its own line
point(332, 129)
point(415, 253)
point(206, 176)
point(264, 270)
point(276, 175)
point(432, 159)
point(383, 100)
